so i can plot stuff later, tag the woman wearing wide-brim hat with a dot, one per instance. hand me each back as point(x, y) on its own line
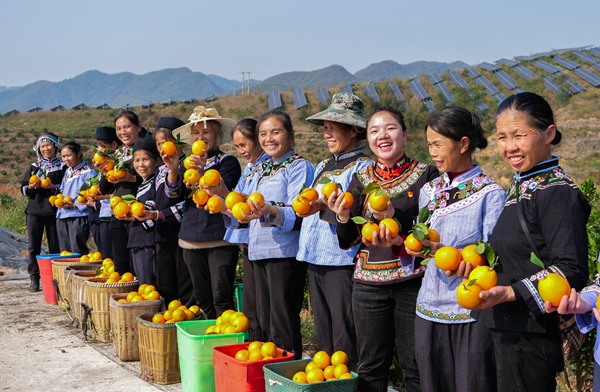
point(210, 259)
point(330, 268)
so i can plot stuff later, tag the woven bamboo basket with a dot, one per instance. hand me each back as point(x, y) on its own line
point(58, 267)
point(124, 326)
point(159, 358)
point(76, 281)
point(97, 294)
point(68, 273)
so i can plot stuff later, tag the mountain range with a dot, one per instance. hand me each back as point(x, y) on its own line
point(95, 88)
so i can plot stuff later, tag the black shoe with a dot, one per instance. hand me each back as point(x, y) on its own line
point(34, 285)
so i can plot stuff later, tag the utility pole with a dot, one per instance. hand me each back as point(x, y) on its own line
point(248, 82)
point(242, 83)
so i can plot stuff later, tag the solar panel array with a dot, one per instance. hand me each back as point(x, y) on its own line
point(595, 51)
point(506, 80)
point(525, 72)
point(418, 90)
point(473, 72)
point(507, 62)
point(489, 87)
point(371, 92)
point(299, 98)
point(573, 85)
point(396, 91)
point(458, 80)
point(489, 67)
point(435, 78)
point(588, 76)
point(546, 66)
point(527, 58)
point(591, 60)
point(323, 95)
point(274, 100)
point(554, 87)
point(347, 88)
point(565, 63)
point(439, 83)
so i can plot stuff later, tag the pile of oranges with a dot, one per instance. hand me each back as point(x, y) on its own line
point(115, 277)
point(324, 368)
point(258, 351)
point(144, 293)
point(229, 322)
point(92, 257)
point(59, 200)
point(176, 311)
point(107, 268)
point(66, 253)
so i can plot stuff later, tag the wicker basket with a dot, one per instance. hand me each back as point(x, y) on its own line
point(159, 358)
point(124, 327)
point(58, 267)
point(98, 298)
point(68, 272)
point(77, 291)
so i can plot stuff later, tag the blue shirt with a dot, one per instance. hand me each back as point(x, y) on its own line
point(272, 238)
point(73, 180)
point(463, 211)
point(318, 239)
point(587, 322)
point(236, 234)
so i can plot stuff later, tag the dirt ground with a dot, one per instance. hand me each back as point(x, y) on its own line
point(40, 352)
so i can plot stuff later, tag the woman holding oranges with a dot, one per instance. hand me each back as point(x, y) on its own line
point(386, 279)
point(210, 259)
point(545, 214)
point(274, 232)
point(330, 268)
point(454, 352)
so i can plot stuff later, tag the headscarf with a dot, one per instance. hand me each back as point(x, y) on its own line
point(46, 137)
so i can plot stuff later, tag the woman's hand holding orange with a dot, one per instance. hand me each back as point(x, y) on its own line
point(496, 295)
point(315, 206)
point(337, 204)
point(383, 238)
point(380, 215)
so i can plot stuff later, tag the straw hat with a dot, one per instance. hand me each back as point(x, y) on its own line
point(202, 114)
point(345, 109)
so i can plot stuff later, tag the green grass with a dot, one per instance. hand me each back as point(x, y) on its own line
point(12, 213)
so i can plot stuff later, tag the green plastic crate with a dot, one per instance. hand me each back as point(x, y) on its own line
point(196, 354)
point(278, 378)
point(239, 297)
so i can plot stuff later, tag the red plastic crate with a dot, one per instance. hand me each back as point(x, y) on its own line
point(233, 375)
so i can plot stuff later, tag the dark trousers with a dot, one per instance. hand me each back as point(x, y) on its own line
point(119, 235)
point(527, 361)
point(596, 377)
point(249, 298)
point(172, 276)
point(144, 265)
point(331, 299)
point(73, 234)
point(455, 357)
point(35, 232)
point(101, 233)
point(280, 287)
point(213, 272)
point(384, 314)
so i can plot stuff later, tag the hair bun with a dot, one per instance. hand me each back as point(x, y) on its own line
point(557, 138)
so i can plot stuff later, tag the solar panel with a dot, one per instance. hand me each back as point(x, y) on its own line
point(481, 106)
point(418, 89)
point(489, 67)
point(397, 91)
point(499, 98)
point(473, 72)
point(274, 100)
point(525, 72)
point(430, 105)
point(528, 58)
point(546, 66)
point(595, 51)
point(553, 86)
point(448, 97)
point(371, 92)
point(347, 88)
point(299, 98)
point(506, 80)
point(597, 66)
point(489, 87)
point(435, 78)
point(510, 63)
point(323, 95)
point(586, 57)
point(588, 76)
point(458, 80)
point(565, 63)
point(573, 85)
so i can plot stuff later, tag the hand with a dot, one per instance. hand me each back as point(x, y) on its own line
point(596, 314)
point(148, 215)
point(51, 186)
point(315, 206)
point(383, 238)
point(380, 215)
point(128, 178)
point(68, 204)
point(572, 304)
point(433, 247)
point(129, 217)
point(35, 185)
point(337, 204)
point(171, 161)
point(256, 211)
point(100, 167)
point(463, 270)
point(199, 162)
point(496, 295)
point(219, 190)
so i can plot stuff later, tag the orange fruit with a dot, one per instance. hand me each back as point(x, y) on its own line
point(241, 324)
point(226, 315)
point(310, 193)
point(340, 369)
point(127, 277)
point(154, 296)
point(188, 162)
point(553, 287)
point(168, 148)
point(349, 199)
point(142, 288)
point(189, 315)
point(158, 319)
point(228, 330)
point(168, 314)
point(392, 225)
point(378, 200)
point(232, 199)
point(96, 256)
point(485, 276)
point(256, 345)
point(99, 158)
point(322, 359)
point(345, 375)
point(109, 165)
point(338, 358)
point(110, 175)
point(149, 289)
point(469, 255)
point(115, 275)
point(60, 196)
point(257, 198)
point(255, 355)
point(114, 200)
point(81, 199)
point(242, 355)
point(212, 177)
point(52, 199)
point(192, 176)
point(368, 229)
point(301, 205)
point(310, 366)
point(235, 315)
point(447, 258)
point(120, 173)
point(433, 235)
point(467, 294)
point(174, 304)
point(412, 243)
point(200, 197)
point(328, 189)
point(300, 377)
point(34, 179)
point(68, 199)
point(138, 209)
point(215, 204)
point(178, 315)
point(121, 209)
point(137, 298)
point(328, 372)
point(94, 190)
point(195, 309)
point(239, 209)
point(315, 375)
point(199, 147)
point(46, 182)
point(131, 295)
point(269, 349)
point(59, 202)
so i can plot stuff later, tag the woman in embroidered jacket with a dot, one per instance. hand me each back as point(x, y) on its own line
point(39, 213)
point(554, 213)
point(274, 232)
point(386, 279)
point(330, 268)
point(454, 352)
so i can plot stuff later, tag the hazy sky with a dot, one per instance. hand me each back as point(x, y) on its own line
point(57, 40)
